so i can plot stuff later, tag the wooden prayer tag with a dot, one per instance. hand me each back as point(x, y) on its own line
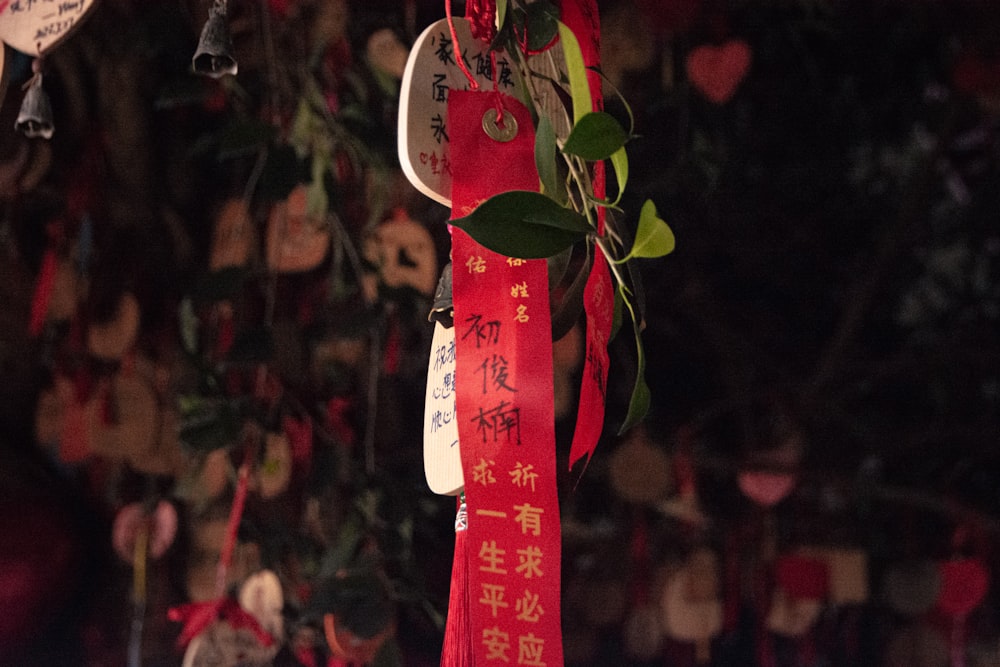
point(110, 340)
point(431, 72)
point(35, 26)
point(442, 458)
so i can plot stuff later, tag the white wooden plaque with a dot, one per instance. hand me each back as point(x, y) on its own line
point(431, 72)
point(442, 458)
point(35, 26)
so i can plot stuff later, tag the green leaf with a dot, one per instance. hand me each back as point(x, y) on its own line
point(638, 405)
point(541, 23)
point(653, 238)
point(208, 423)
point(579, 88)
point(621, 98)
point(524, 224)
point(545, 160)
point(619, 162)
point(641, 398)
point(501, 12)
point(595, 136)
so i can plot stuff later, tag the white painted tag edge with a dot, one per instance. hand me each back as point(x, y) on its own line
point(404, 114)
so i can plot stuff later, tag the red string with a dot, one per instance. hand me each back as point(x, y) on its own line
point(473, 84)
point(196, 616)
point(496, 87)
point(235, 515)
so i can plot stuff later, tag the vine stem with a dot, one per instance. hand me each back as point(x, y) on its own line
point(612, 263)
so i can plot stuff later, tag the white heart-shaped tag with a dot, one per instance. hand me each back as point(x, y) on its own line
point(35, 26)
point(431, 72)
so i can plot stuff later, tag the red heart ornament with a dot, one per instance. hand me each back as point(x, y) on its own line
point(766, 488)
point(716, 71)
point(964, 584)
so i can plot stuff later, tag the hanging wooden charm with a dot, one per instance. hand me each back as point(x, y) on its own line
point(442, 459)
point(801, 585)
point(109, 340)
point(847, 569)
point(639, 471)
point(692, 603)
point(403, 254)
point(296, 241)
point(33, 27)
point(274, 474)
point(124, 418)
point(233, 237)
point(425, 149)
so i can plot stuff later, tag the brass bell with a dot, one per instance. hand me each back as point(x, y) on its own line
point(35, 116)
point(214, 56)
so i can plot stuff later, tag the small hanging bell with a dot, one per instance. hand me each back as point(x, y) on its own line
point(443, 308)
point(35, 117)
point(214, 56)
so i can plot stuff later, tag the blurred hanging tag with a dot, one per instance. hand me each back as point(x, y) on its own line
point(296, 242)
point(691, 604)
point(3, 71)
point(431, 73)
point(132, 431)
point(442, 458)
point(222, 645)
point(261, 596)
point(233, 237)
point(274, 475)
point(35, 26)
point(403, 254)
point(110, 340)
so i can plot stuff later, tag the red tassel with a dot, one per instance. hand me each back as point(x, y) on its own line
point(457, 651)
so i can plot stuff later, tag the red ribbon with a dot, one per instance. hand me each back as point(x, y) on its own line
point(197, 616)
point(505, 412)
point(581, 16)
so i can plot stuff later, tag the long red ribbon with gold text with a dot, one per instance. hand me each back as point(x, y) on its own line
point(504, 403)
